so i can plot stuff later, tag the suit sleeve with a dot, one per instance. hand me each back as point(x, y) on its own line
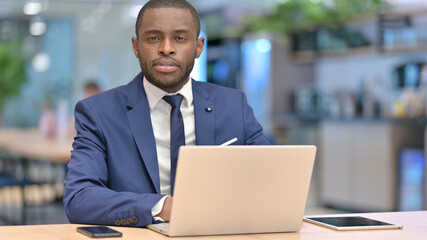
point(87, 198)
point(252, 129)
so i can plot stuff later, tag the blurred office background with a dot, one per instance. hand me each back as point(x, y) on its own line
point(346, 75)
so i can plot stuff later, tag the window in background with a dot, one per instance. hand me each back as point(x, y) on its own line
point(224, 61)
point(256, 69)
point(50, 71)
point(199, 72)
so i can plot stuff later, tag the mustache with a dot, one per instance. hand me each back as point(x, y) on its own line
point(166, 60)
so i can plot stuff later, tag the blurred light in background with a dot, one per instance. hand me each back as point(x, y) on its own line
point(32, 8)
point(37, 27)
point(41, 62)
point(263, 45)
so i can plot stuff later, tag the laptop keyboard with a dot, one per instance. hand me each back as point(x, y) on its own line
point(163, 227)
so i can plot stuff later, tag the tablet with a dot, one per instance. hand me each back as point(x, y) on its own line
point(351, 223)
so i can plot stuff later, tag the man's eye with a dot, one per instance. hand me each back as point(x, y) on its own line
point(154, 38)
point(181, 39)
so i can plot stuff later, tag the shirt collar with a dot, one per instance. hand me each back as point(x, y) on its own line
point(155, 94)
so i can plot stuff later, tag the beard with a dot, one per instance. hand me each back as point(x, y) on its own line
point(175, 84)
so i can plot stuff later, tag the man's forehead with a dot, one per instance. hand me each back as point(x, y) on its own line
point(167, 18)
point(166, 13)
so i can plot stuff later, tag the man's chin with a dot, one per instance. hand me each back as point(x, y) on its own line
point(172, 85)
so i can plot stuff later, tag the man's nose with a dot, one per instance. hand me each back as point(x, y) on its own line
point(167, 48)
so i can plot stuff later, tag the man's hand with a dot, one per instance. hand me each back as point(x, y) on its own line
point(165, 214)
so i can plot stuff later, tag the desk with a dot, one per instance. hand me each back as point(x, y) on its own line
point(31, 144)
point(414, 228)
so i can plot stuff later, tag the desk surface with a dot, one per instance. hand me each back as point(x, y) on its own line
point(414, 227)
point(30, 143)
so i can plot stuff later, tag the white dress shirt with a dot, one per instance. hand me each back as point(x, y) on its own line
point(160, 112)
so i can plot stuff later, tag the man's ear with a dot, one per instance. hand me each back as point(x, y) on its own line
point(135, 47)
point(200, 45)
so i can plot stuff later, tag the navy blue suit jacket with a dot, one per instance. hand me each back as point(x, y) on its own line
point(113, 176)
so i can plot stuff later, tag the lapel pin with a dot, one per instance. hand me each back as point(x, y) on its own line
point(208, 109)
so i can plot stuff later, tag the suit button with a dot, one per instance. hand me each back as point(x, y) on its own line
point(117, 222)
point(123, 222)
point(129, 221)
point(135, 220)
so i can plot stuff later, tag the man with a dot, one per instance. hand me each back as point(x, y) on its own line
point(91, 88)
point(122, 167)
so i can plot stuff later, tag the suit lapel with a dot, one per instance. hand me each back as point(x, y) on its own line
point(142, 130)
point(204, 114)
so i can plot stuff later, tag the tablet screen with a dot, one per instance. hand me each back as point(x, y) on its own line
point(350, 223)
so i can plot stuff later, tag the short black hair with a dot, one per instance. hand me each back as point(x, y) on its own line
point(155, 4)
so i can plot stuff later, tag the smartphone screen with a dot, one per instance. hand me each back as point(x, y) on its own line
point(99, 232)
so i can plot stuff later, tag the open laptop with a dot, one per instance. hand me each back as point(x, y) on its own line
point(239, 190)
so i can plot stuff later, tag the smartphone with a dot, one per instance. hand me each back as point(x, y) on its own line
point(99, 232)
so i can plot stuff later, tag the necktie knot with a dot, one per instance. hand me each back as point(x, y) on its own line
point(174, 100)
